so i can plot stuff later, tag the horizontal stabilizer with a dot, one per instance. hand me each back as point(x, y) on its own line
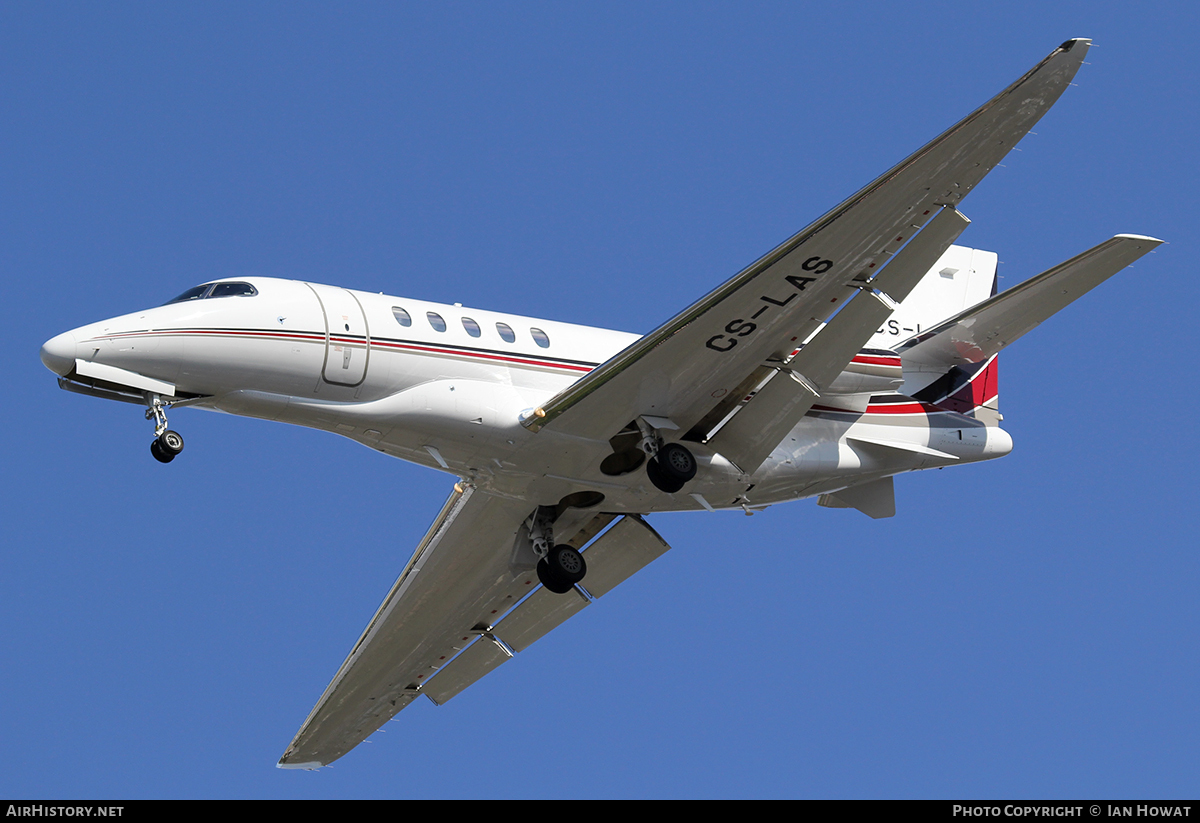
point(981, 331)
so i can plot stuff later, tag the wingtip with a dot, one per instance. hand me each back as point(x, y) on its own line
point(311, 765)
point(1075, 41)
point(1142, 237)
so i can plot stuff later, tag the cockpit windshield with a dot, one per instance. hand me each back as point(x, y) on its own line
point(209, 290)
point(191, 294)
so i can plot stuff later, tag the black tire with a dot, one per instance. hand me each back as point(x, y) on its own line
point(550, 580)
point(661, 480)
point(157, 450)
point(567, 564)
point(676, 461)
point(170, 442)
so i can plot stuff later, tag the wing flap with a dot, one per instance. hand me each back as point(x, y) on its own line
point(981, 331)
point(622, 551)
point(539, 615)
point(614, 557)
point(480, 658)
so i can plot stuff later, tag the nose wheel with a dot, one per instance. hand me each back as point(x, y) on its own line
point(167, 444)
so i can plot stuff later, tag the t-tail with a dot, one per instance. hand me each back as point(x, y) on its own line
point(950, 329)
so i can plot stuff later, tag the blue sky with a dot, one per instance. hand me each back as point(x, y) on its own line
point(1024, 628)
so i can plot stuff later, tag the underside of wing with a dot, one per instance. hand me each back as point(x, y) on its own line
point(459, 575)
point(450, 617)
point(713, 349)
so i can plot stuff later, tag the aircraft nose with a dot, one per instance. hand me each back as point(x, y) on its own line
point(58, 353)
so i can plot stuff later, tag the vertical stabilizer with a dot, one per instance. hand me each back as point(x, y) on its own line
point(961, 278)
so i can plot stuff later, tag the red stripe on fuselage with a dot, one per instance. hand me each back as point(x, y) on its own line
point(347, 341)
point(876, 360)
point(909, 407)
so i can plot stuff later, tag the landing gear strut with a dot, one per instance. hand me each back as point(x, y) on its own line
point(166, 444)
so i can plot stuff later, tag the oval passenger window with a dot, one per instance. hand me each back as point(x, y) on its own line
point(436, 321)
point(506, 333)
point(472, 327)
point(540, 338)
point(401, 316)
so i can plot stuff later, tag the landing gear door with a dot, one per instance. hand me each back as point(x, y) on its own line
point(347, 338)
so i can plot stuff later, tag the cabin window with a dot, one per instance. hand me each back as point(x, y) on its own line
point(540, 338)
point(191, 294)
point(233, 290)
point(506, 332)
point(436, 321)
point(472, 327)
point(401, 316)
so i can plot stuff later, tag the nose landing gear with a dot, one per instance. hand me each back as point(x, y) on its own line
point(166, 444)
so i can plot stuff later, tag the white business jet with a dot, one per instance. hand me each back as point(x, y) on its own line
point(863, 347)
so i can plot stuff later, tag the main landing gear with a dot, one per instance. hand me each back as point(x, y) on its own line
point(559, 567)
point(671, 468)
point(671, 465)
point(166, 444)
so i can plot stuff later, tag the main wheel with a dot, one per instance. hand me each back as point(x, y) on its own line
point(561, 569)
point(170, 442)
point(676, 461)
point(160, 455)
point(550, 580)
point(568, 564)
point(661, 480)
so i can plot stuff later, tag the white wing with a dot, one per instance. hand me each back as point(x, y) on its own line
point(449, 619)
point(688, 369)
